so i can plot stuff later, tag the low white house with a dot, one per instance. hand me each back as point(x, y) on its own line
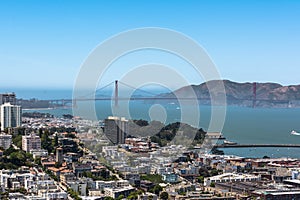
point(230, 177)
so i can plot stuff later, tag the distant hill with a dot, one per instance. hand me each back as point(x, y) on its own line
point(267, 94)
point(33, 103)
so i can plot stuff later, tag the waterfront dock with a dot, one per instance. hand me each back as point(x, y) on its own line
point(257, 145)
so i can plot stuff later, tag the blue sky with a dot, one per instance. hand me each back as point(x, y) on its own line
point(43, 43)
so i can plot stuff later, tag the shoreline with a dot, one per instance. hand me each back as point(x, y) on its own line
point(38, 109)
point(63, 108)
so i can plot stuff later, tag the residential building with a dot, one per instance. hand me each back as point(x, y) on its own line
point(95, 193)
point(79, 187)
point(116, 129)
point(5, 141)
point(30, 142)
point(10, 116)
point(116, 192)
point(231, 177)
point(100, 185)
point(79, 169)
point(8, 98)
point(67, 177)
point(170, 178)
point(38, 153)
point(17, 196)
point(277, 194)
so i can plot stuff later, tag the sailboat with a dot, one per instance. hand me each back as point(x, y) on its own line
point(294, 133)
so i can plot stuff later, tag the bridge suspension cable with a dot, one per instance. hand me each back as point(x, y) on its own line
point(132, 87)
point(90, 95)
point(102, 88)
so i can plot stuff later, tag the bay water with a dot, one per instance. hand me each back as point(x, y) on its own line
point(242, 125)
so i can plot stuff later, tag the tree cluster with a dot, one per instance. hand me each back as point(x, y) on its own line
point(15, 158)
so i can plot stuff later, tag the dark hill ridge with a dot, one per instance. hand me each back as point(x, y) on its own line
point(267, 94)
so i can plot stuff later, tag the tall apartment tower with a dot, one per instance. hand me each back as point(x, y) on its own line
point(115, 129)
point(8, 98)
point(10, 116)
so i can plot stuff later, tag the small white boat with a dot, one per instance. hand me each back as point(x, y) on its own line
point(229, 142)
point(295, 133)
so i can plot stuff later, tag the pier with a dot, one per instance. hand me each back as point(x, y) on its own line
point(257, 145)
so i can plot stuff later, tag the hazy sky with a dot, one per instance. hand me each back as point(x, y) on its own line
point(43, 43)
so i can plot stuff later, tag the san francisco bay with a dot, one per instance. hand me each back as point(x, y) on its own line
point(243, 125)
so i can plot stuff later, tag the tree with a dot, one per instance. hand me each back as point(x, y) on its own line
point(17, 158)
point(121, 197)
point(55, 141)
point(204, 172)
point(40, 132)
point(17, 140)
point(214, 172)
point(212, 185)
point(200, 179)
point(74, 194)
point(164, 195)
point(108, 198)
point(8, 151)
point(135, 194)
point(21, 131)
point(37, 161)
point(46, 142)
point(154, 178)
point(157, 189)
point(141, 122)
point(68, 116)
point(70, 135)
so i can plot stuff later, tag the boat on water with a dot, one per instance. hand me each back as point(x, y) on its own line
point(229, 142)
point(294, 133)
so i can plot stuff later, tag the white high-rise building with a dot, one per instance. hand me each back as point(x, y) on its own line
point(10, 116)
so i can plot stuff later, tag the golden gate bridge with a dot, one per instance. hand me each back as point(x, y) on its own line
point(150, 96)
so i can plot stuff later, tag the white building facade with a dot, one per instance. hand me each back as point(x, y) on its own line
point(10, 116)
point(31, 142)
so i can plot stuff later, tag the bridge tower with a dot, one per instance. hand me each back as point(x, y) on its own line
point(116, 93)
point(254, 95)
